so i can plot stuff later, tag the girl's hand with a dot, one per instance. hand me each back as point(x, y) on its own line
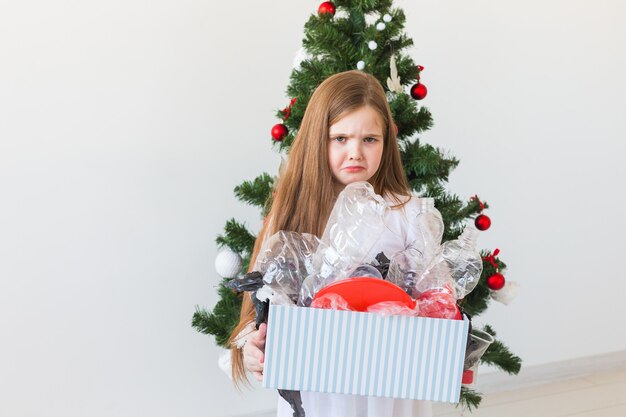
point(254, 352)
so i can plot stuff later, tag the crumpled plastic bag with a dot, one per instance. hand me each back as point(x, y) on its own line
point(438, 303)
point(393, 308)
point(332, 302)
point(285, 260)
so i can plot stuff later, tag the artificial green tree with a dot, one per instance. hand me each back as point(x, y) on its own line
point(367, 35)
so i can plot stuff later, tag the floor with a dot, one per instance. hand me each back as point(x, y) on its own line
point(596, 395)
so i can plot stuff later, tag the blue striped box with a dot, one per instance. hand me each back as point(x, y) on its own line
point(348, 352)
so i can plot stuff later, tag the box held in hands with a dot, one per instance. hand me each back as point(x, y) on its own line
point(349, 352)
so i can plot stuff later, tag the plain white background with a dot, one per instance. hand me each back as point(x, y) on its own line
point(125, 125)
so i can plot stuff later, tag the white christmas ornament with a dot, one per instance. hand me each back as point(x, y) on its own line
point(228, 263)
point(360, 65)
point(387, 18)
point(380, 26)
point(393, 83)
point(507, 293)
point(372, 45)
point(371, 18)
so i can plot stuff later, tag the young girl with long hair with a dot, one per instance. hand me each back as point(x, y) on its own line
point(347, 134)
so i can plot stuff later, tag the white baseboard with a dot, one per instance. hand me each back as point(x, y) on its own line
point(550, 372)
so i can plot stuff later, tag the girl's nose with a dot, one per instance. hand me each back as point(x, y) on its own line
point(355, 150)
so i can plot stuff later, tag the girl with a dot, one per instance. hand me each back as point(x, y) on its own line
point(347, 134)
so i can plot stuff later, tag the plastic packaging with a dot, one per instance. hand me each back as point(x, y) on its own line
point(331, 301)
point(354, 225)
point(405, 268)
point(429, 226)
point(393, 308)
point(285, 259)
point(438, 304)
point(477, 345)
point(458, 264)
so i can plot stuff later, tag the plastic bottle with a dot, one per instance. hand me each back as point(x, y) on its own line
point(407, 267)
point(429, 229)
point(457, 265)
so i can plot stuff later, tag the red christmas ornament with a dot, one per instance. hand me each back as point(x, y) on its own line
point(496, 281)
point(328, 7)
point(482, 222)
point(279, 131)
point(418, 91)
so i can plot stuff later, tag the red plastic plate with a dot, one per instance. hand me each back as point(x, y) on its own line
point(362, 292)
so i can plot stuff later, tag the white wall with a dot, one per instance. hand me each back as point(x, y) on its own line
point(124, 126)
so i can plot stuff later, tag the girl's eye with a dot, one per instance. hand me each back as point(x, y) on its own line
point(370, 140)
point(339, 139)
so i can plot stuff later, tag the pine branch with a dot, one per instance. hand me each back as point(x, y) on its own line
point(222, 320)
point(409, 118)
point(365, 5)
point(470, 398)
point(473, 207)
point(500, 356)
point(425, 165)
point(331, 41)
point(488, 329)
point(256, 192)
point(236, 237)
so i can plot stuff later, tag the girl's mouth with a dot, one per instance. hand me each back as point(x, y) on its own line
point(354, 169)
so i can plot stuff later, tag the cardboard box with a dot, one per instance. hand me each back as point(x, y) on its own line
point(347, 352)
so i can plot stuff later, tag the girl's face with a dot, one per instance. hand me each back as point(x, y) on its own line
point(355, 146)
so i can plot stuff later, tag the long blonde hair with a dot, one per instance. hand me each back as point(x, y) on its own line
point(305, 191)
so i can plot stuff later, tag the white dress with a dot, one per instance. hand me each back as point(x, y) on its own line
point(396, 237)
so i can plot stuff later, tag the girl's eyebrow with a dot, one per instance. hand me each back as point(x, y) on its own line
point(367, 135)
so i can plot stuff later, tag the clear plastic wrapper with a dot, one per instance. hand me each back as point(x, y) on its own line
point(439, 304)
point(393, 308)
point(332, 302)
point(354, 225)
point(458, 262)
point(275, 297)
point(405, 268)
point(364, 271)
point(295, 267)
point(477, 345)
point(285, 260)
point(310, 286)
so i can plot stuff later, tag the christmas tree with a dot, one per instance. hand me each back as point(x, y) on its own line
point(367, 35)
